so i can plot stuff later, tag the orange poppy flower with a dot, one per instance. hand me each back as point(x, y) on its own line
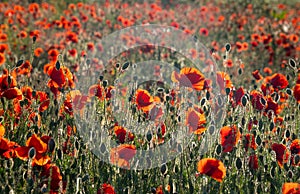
point(106, 189)
point(189, 77)
point(195, 121)
point(239, 46)
point(143, 100)
point(281, 153)
point(291, 188)
point(38, 52)
point(257, 75)
point(253, 162)
point(121, 155)
point(122, 134)
point(294, 38)
point(223, 81)
point(40, 148)
point(268, 70)
point(230, 136)
point(295, 150)
point(228, 63)
point(2, 59)
point(213, 168)
point(7, 148)
point(25, 68)
point(2, 130)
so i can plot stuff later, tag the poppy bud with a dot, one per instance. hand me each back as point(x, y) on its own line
point(125, 66)
point(149, 136)
point(102, 148)
point(31, 153)
point(51, 145)
point(292, 63)
point(164, 169)
point(19, 63)
point(88, 62)
point(57, 65)
point(227, 90)
point(238, 163)
point(105, 83)
point(34, 39)
point(258, 140)
point(228, 47)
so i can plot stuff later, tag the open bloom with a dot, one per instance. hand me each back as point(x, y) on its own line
point(281, 153)
point(213, 168)
point(196, 121)
point(106, 189)
point(121, 155)
point(40, 145)
point(291, 188)
point(189, 77)
point(230, 136)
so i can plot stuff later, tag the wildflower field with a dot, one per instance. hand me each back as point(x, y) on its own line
point(150, 97)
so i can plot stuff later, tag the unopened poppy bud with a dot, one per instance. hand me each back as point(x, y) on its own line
point(51, 145)
point(31, 153)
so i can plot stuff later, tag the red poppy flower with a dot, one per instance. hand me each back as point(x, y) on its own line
point(249, 141)
point(73, 52)
point(253, 162)
point(51, 173)
point(121, 155)
point(213, 168)
point(189, 77)
point(278, 81)
point(7, 148)
point(97, 90)
point(296, 92)
point(291, 188)
point(257, 75)
point(159, 190)
point(281, 153)
point(106, 189)
point(203, 31)
point(40, 147)
point(295, 150)
point(230, 136)
point(257, 99)
point(122, 134)
point(53, 54)
point(2, 59)
point(239, 93)
point(195, 121)
point(12, 93)
point(143, 100)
